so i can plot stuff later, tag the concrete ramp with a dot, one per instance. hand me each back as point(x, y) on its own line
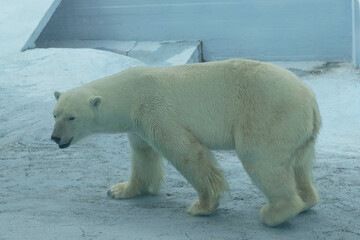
point(30, 43)
point(167, 53)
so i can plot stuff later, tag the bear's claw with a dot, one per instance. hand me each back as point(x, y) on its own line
point(110, 194)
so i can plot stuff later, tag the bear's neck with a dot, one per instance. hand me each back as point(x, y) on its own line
point(114, 121)
point(116, 108)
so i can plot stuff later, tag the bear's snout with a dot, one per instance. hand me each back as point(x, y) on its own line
point(61, 143)
point(55, 139)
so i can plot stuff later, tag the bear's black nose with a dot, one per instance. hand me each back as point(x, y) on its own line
point(55, 139)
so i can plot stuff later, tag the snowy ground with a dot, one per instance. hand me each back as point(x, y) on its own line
point(48, 193)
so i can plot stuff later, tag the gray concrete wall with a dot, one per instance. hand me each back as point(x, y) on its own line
point(261, 29)
point(356, 32)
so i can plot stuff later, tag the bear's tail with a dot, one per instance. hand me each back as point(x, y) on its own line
point(316, 122)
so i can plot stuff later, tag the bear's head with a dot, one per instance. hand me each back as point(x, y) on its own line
point(75, 116)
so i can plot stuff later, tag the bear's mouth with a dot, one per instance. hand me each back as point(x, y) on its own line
point(65, 145)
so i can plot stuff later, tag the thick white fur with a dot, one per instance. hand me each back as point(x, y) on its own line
point(262, 111)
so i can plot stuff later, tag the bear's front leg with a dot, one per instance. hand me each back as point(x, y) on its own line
point(147, 171)
point(196, 163)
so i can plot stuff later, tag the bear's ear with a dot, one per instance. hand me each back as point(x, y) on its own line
point(95, 101)
point(57, 95)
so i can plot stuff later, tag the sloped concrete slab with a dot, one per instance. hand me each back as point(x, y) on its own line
point(167, 53)
point(164, 53)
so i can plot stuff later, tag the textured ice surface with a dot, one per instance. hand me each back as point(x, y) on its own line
point(48, 193)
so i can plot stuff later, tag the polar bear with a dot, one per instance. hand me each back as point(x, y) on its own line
point(262, 111)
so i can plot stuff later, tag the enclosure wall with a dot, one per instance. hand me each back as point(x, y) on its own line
point(260, 29)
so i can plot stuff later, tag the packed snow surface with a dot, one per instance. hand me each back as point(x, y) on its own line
point(49, 193)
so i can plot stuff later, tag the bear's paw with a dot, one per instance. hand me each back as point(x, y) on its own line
point(123, 190)
point(276, 213)
point(197, 209)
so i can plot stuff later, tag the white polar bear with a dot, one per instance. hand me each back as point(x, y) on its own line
point(262, 111)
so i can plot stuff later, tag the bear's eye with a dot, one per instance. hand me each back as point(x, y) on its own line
point(54, 116)
point(71, 118)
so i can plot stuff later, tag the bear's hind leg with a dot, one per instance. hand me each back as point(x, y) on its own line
point(276, 180)
point(278, 184)
point(197, 164)
point(147, 171)
point(303, 175)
